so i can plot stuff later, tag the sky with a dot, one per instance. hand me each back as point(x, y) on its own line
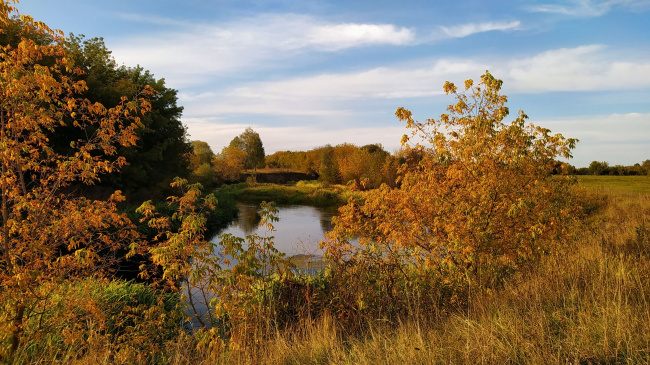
point(306, 73)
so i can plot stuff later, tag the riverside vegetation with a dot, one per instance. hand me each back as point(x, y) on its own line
point(481, 250)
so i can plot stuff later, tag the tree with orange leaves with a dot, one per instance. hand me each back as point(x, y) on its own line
point(46, 235)
point(478, 201)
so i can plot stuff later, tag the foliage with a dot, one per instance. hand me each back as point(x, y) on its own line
point(160, 153)
point(201, 164)
point(363, 167)
point(134, 319)
point(249, 141)
point(201, 154)
point(230, 163)
point(604, 168)
point(480, 201)
point(328, 170)
point(47, 236)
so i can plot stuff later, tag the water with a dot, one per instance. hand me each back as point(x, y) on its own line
point(298, 232)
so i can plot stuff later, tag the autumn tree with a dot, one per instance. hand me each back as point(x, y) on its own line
point(46, 236)
point(251, 143)
point(230, 163)
point(599, 168)
point(476, 200)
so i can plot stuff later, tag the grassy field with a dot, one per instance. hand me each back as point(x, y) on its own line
point(588, 303)
point(616, 184)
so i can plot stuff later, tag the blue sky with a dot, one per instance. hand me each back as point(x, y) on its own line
point(305, 73)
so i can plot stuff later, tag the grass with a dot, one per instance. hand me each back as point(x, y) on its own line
point(616, 184)
point(303, 192)
point(588, 303)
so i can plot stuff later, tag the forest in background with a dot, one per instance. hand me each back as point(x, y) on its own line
point(475, 244)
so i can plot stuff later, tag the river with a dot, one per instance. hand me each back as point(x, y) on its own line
point(298, 232)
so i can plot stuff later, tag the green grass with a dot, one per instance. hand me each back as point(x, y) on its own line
point(616, 184)
point(303, 193)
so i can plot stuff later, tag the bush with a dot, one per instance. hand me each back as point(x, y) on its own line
point(93, 314)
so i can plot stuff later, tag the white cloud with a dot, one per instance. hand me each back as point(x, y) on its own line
point(585, 68)
point(615, 138)
point(295, 138)
point(591, 8)
point(464, 30)
point(332, 94)
point(189, 52)
point(341, 36)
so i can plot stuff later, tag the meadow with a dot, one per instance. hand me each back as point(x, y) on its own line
point(587, 303)
point(616, 184)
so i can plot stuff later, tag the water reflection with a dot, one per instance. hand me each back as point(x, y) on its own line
point(248, 219)
point(298, 234)
point(299, 230)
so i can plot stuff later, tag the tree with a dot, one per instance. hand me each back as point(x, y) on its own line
point(230, 163)
point(201, 164)
point(47, 236)
point(249, 141)
point(645, 167)
point(599, 168)
point(161, 151)
point(477, 202)
point(201, 154)
point(328, 171)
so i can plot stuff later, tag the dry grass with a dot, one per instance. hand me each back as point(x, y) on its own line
point(586, 305)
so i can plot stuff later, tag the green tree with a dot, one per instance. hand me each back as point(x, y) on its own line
point(599, 168)
point(230, 163)
point(479, 201)
point(249, 141)
point(162, 150)
point(201, 164)
point(328, 171)
point(645, 167)
point(201, 154)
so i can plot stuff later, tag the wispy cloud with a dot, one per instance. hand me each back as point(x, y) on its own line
point(585, 68)
point(616, 138)
point(330, 95)
point(590, 8)
point(341, 36)
point(189, 52)
point(464, 30)
point(152, 19)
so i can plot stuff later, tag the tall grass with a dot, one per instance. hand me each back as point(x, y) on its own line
point(588, 303)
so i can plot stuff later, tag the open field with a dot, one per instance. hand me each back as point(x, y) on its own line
point(587, 303)
point(617, 184)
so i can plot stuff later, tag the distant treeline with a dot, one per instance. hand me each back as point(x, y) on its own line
point(366, 167)
point(603, 168)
